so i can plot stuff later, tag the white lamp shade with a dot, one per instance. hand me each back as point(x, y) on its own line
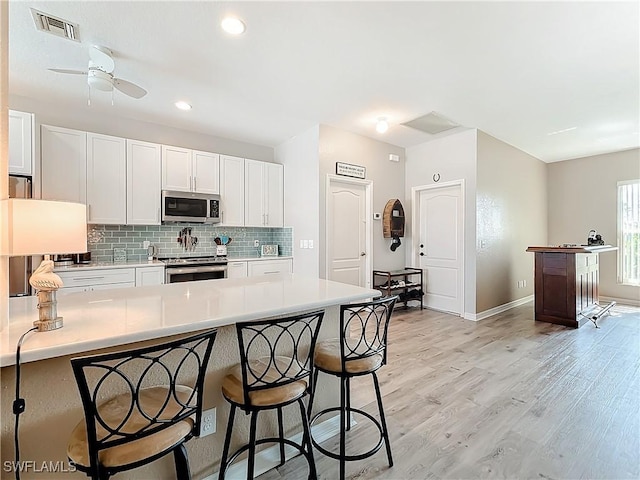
point(37, 227)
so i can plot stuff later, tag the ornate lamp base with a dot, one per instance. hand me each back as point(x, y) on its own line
point(48, 318)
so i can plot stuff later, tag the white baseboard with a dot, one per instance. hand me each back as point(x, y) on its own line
point(499, 309)
point(621, 301)
point(270, 457)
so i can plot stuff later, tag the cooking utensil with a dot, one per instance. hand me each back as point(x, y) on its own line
point(224, 239)
point(218, 241)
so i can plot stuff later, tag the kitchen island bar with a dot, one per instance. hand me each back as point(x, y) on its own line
point(123, 318)
point(566, 283)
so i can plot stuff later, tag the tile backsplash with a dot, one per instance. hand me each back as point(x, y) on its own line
point(104, 238)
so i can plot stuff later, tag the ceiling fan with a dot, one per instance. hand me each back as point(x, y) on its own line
point(100, 74)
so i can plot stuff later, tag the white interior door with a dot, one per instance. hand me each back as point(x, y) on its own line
point(347, 233)
point(440, 247)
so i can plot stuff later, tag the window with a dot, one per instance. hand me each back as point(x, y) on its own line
point(629, 232)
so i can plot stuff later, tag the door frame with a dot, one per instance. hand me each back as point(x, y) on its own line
point(368, 228)
point(415, 234)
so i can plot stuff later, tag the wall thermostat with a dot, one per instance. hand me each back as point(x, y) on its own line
point(377, 216)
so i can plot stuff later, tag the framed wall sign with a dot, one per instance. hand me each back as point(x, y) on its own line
point(348, 170)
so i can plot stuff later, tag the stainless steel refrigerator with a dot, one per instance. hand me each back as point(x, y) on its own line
point(19, 267)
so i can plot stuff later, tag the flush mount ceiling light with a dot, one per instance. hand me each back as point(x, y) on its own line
point(382, 125)
point(233, 25)
point(183, 105)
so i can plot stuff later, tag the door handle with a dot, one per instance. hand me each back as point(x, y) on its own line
point(422, 245)
point(422, 254)
point(362, 254)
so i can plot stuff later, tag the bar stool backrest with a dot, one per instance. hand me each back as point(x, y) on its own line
point(277, 352)
point(178, 366)
point(363, 329)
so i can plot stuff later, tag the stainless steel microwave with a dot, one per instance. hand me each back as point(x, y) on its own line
point(190, 207)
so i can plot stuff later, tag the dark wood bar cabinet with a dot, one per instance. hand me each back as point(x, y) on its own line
point(566, 283)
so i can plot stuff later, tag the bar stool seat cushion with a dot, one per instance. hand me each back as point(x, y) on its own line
point(268, 371)
point(114, 411)
point(327, 357)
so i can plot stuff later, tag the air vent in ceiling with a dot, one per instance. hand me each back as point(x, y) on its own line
point(55, 26)
point(431, 123)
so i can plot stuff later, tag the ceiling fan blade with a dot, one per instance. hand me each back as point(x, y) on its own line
point(129, 88)
point(64, 70)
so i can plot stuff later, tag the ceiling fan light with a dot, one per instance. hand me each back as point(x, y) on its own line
point(100, 80)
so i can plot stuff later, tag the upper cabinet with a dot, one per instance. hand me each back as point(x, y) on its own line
point(106, 179)
point(20, 143)
point(186, 170)
point(85, 168)
point(143, 183)
point(64, 164)
point(232, 190)
point(264, 194)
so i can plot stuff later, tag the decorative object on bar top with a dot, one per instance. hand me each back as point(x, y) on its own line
point(594, 238)
point(42, 227)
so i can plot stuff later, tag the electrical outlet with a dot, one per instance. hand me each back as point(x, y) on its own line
point(310, 243)
point(256, 243)
point(208, 424)
point(146, 244)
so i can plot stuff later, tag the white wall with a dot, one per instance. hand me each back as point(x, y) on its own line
point(86, 120)
point(511, 214)
point(453, 157)
point(388, 182)
point(582, 196)
point(300, 157)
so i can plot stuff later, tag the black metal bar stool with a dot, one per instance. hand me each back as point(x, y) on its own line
point(274, 371)
point(360, 350)
point(139, 405)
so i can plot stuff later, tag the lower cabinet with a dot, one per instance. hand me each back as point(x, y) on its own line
point(237, 269)
point(270, 267)
point(88, 280)
point(149, 276)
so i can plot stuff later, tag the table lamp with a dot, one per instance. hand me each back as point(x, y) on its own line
point(43, 227)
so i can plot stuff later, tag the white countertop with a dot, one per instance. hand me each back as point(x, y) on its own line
point(109, 265)
point(107, 318)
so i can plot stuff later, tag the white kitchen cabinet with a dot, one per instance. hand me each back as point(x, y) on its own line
point(176, 169)
point(264, 194)
point(81, 280)
point(232, 186)
point(236, 269)
point(106, 179)
point(143, 183)
point(64, 164)
point(186, 170)
point(149, 276)
point(20, 143)
point(206, 172)
point(270, 267)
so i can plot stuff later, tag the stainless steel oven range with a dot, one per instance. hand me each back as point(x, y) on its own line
point(189, 269)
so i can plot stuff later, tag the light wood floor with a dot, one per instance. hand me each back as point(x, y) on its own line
point(506, 397)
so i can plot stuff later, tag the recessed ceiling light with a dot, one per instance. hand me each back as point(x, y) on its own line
point(183, 105)
point(233, 25)
point(382, 125)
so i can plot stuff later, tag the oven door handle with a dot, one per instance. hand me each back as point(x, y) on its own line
point(212, 268)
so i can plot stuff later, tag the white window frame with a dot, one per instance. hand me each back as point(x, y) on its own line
point(622, 278)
